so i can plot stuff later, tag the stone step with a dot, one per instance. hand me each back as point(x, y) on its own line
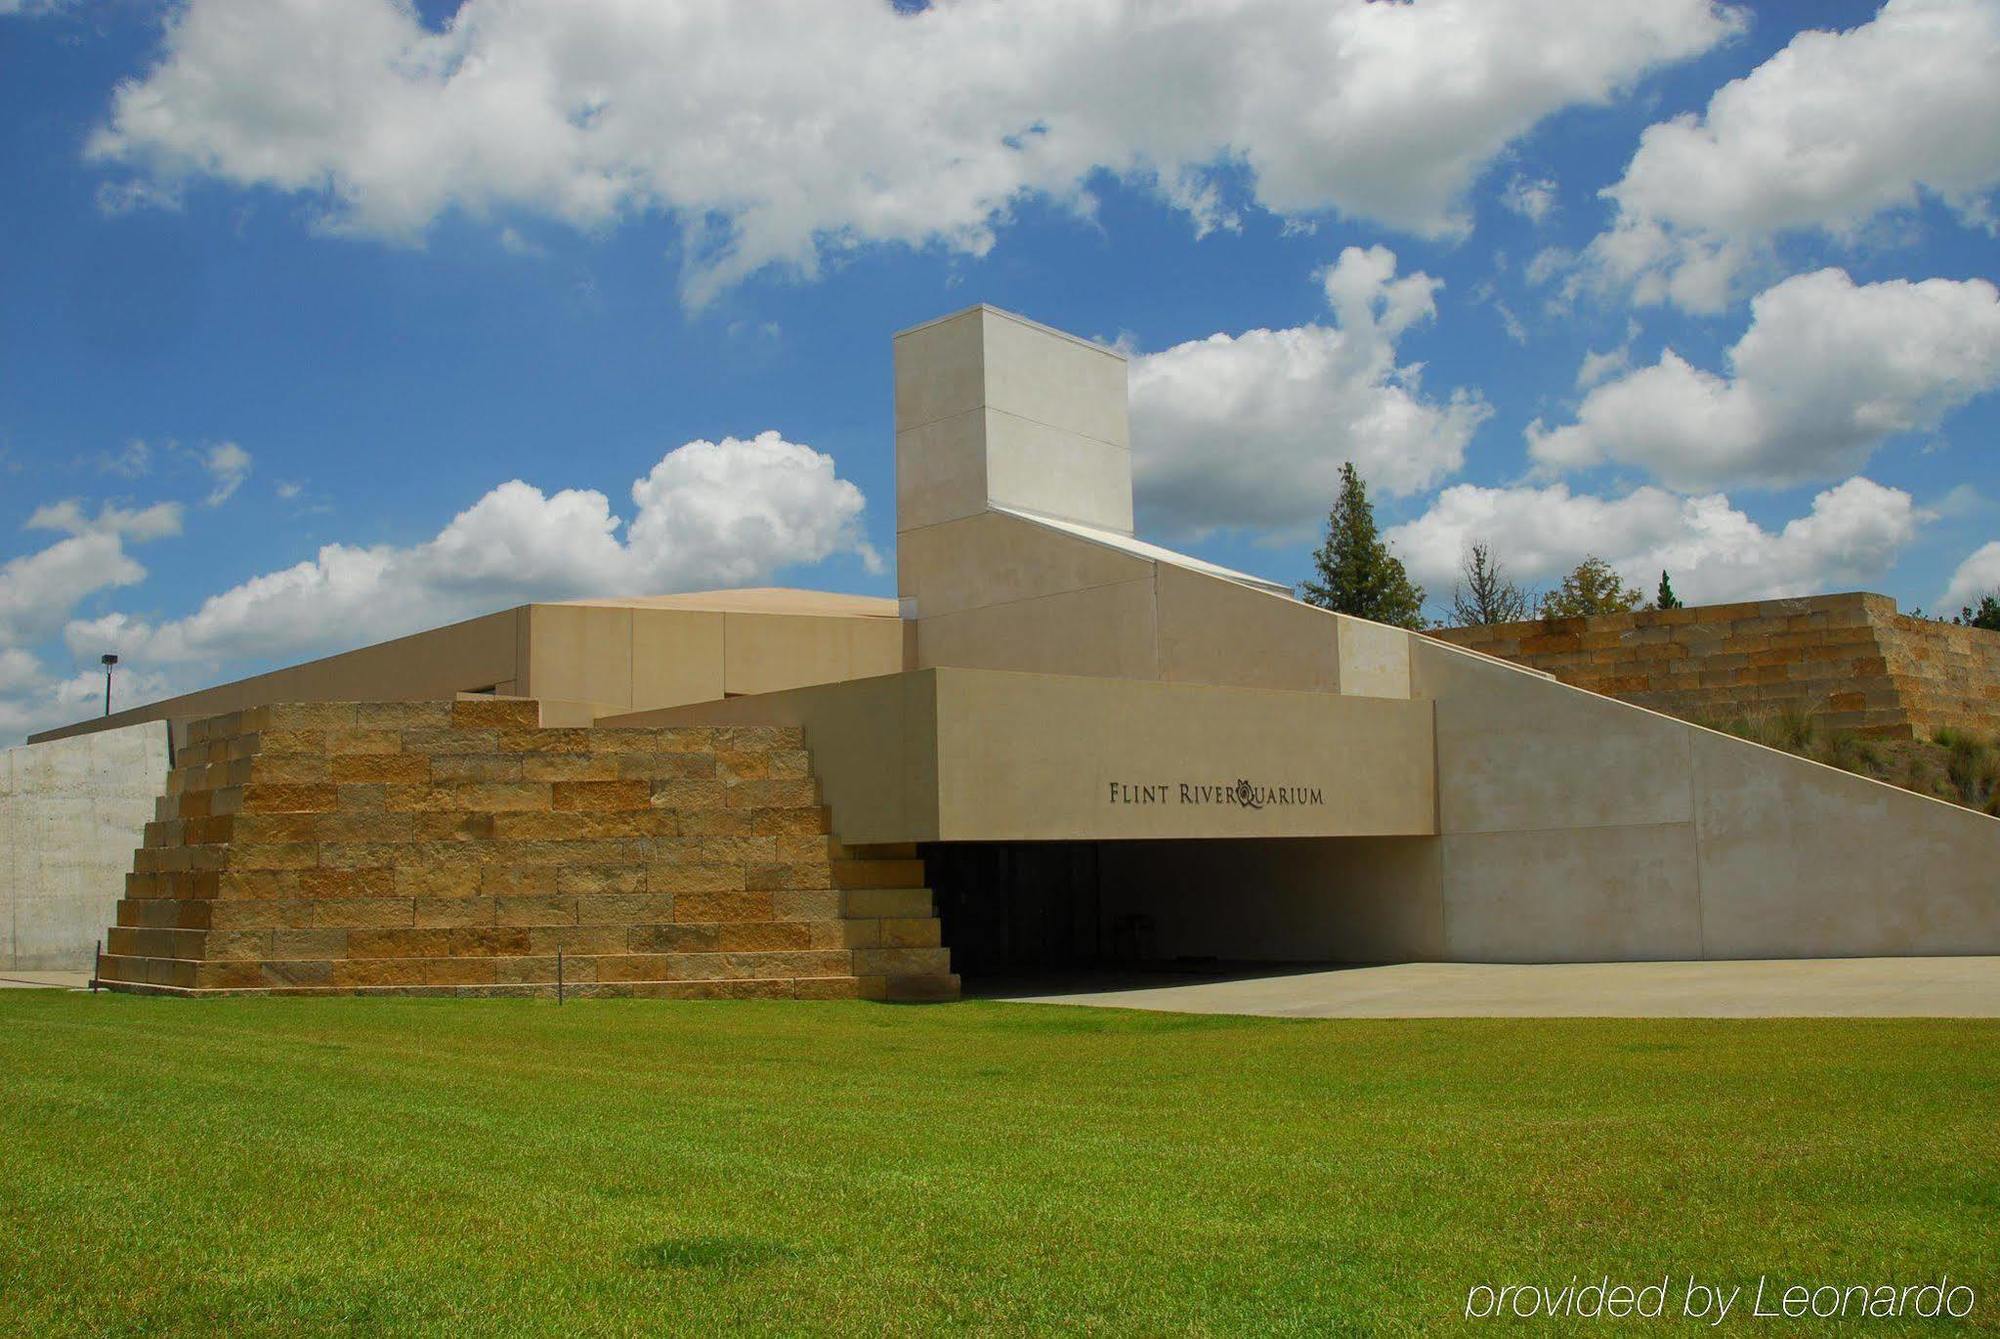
point(580, 969)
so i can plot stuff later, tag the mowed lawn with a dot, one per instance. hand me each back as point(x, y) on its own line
point(510, 1167)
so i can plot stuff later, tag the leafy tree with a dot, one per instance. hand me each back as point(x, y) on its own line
point(1666, 599)
point(1357, 573)
point(1486, 595)
point(1593, 588)
point(1986, 615)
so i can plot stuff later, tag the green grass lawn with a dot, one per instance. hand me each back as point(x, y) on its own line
point(492, 1167)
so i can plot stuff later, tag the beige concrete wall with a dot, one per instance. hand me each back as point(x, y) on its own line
point(964, 755)
point(1577, 828)
point(1008, 592)
point(630, 658)
point(992, 408)
point(72, 811)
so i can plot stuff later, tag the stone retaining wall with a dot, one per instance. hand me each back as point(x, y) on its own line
point(457, 848)
point(1852, 659)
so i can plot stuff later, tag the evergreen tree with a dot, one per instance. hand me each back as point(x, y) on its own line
point(1486, 595)
point(1593, 588)
point(1357, 573)
point(1666, 599)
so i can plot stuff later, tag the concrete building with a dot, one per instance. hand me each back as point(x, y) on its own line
point(1086, 748)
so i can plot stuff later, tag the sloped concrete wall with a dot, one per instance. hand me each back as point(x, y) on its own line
point(72, 811)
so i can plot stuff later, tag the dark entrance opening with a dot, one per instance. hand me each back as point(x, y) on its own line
point(1021, 909)
point(1013, 908)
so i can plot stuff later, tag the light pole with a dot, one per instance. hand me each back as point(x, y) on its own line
point(107, 660)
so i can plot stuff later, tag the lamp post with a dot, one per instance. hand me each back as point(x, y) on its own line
point(107, 660)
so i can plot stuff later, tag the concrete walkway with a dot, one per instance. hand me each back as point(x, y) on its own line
point(13, 980)
point(1805, 988)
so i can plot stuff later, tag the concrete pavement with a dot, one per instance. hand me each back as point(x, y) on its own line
point(1795, 988)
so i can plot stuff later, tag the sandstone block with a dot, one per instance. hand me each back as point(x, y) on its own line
point(878, 873)
point(364, 912)
point(802, 793)
point(623, 909)
point(722, 906)
point(910, 932)
point(477, 766)
point(689, 795)
point(593, 940)
point(297, 973)
point(227, 976)
point(324, 942)
point(693, 877)
point(569, 767)
point(451, 912)
point(600, 879)
point(890, 903)
point(397, 768)
point(823, 904)
point(589, 795)
point(450, 740)
point(545, 909)
point(497, 712)
point(352, 972)
point(772, 876)
point(420, 880)
point(521, 740)
point(459, 971)
point(785, 822)
point(273, 855)
point(400, 716)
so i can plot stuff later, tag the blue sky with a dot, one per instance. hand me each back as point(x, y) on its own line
point(320, 323)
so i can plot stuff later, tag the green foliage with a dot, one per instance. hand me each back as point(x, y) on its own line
point(1665, 598)
point(1593, 588)
point(1357, 573)
point(1972, 765)
point(259, 1167)
point(1485, 595)
point(1985, 615)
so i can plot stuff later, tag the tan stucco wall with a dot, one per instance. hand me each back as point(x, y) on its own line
point(1850, 658)
point(478, 653)
point(580, 660)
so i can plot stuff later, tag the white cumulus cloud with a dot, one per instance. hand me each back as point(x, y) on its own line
point(1977, 576)
point(1827, 135)
point(38, 590)
point(1249, 431)
point(725, 513)
point(780, 130)
point(1850, 537)
point(1827, 371)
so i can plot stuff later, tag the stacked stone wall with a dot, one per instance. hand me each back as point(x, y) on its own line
point(458, 848)
point(1850, 659)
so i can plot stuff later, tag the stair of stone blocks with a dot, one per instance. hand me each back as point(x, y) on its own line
point(462, 848)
